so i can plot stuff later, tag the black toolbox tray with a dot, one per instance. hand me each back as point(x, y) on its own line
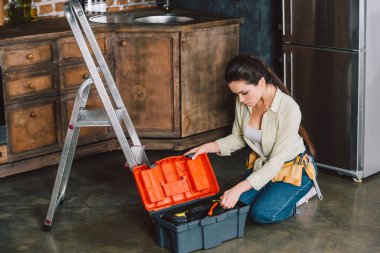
point(204, 233)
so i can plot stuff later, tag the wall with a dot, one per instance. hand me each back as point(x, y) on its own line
point(54, 8)
point(259, 34)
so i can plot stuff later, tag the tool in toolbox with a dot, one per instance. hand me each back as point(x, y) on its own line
point(113, 116)
point(208, 209)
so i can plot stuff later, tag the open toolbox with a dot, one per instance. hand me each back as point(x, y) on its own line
point(181, 195)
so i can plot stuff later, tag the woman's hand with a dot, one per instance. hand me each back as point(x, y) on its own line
point(211, 147)
point(231, 196)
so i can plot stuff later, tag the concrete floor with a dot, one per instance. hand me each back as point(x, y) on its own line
point(102, 212)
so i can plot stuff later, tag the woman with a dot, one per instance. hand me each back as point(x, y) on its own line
point(267, 119)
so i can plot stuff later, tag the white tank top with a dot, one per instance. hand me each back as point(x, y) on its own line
point(255, 136)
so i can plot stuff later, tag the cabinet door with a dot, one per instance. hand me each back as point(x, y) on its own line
point(206, 101)
point(33, 128)
point(148, 80)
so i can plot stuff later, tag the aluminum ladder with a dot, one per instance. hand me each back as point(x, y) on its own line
point(112, 115)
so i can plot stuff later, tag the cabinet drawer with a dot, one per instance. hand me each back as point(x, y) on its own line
point(69, 48)
point(73, 76)
point(33, 126)
point(28, 55)
point(86, 134)
point(30, 85)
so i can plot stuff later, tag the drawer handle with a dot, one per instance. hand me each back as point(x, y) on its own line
point(85, 76)
point(29, 56)
point(123, 43)
point(33, 115)
point(31, 86)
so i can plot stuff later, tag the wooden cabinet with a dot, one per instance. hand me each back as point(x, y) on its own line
point(170, 79)
point(30, 88)
point(39, 82)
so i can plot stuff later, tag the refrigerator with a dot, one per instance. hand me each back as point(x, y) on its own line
point(331, 64)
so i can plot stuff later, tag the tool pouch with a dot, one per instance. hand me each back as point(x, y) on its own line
point(291, 172)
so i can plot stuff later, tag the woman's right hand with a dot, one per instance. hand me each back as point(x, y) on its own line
point(211, 147)
point(197, 151)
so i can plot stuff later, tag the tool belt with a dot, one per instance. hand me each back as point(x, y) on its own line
point(291, 172)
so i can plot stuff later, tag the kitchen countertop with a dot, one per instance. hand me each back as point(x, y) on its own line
point(51, 28)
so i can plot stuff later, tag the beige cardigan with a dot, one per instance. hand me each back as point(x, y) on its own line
point(280, 139)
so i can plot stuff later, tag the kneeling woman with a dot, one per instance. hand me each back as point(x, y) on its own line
point(281, 169)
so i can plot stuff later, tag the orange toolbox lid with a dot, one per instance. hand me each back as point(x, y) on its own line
point(175, 180)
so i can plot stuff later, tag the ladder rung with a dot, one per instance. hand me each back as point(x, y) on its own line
point(96, 117)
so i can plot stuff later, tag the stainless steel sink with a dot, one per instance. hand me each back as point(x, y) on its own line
point(126, 18)
point(163, 19)
point(113, 18)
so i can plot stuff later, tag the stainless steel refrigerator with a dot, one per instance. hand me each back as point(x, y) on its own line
point(332, 67)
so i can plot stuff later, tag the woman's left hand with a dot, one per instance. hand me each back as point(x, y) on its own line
point(231, 196)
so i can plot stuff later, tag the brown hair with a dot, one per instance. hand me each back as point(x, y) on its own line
point(252, 69)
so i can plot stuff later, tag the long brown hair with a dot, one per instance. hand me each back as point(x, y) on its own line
point(252, 69)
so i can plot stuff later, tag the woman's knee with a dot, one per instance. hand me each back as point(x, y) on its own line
point(260, 215)
point(264, 215)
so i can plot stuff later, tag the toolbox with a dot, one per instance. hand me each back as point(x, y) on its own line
point(181, 195)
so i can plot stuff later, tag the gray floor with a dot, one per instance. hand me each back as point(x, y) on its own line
point(102, 213)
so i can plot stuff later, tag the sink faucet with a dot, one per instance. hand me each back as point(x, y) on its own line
point(134, 3)
point(166, 5)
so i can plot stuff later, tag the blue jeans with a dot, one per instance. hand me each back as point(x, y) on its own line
point(275, 201)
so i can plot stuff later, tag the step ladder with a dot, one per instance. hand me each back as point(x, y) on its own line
point(114, 114)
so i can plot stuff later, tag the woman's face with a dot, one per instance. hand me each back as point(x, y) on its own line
point(249, 94)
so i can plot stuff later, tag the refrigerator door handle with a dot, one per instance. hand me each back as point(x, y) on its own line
point(291, 73)
point(283, 23)
point(288, 77)
point(285, 76)
point(291, 17)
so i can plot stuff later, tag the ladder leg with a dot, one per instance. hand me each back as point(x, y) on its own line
point(69, 163)
point(62, 175)
point(67, 157)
